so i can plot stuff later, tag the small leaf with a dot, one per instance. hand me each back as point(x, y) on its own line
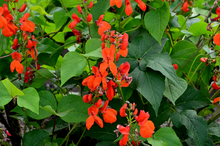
point(102, 6)
point(196, 126)
point(35, 137)
point(174, 90)
point(29, 100)
point(12, 89)
point(73, 65)
point(159, 20)
point(59, 18)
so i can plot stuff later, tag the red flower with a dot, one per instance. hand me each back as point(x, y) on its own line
point(2, 19)
point(90, 4)
point(125, 131)
point(216, 100)
point(15, 44)
point(109, 114)
point(75, 21)
point(27, 25)
point(79, 9)
point(142, 5)
point(217, 39)
point(185, 7)
point(175, 66)
point(94, 81)
point(203, 59)
point(215, 86)
point(118, 3)
point(31, 45)
point(15, 64)
point(93, 111)
point(128, 8)
point(104, 26)
point(122, 111)
point(142, 117)
point(218, 11)
point(147, 129)
point(111, 90)
point(23, 7)
point(89, 18)
point(28, 75)
point(108, 57)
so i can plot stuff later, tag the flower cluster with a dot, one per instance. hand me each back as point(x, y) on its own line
point(146, 126)
point(128, 8)
point(107, 77)
point(26, 43)
point(86, 18)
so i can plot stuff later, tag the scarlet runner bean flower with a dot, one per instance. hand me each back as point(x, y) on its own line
point(27, 25)
point(185, 7)
point(216, 100)
point(118, 3)
point(16, 63)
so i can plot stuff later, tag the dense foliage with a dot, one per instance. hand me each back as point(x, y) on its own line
point(109, 72)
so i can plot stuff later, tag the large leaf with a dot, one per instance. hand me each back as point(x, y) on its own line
point(35, 137)
point(73, 65)
point(140, 47)
point(199, 28)
point(78, 109)
point(162, 63)
point(183, 51)
point(173, 91)
point(214, 129)
point(159, 20)
point(93, 48)
point(12, 89)
point(168, 135)
point(46, 98)
point(59, 18)
point(100, 8)
point(196, 126)
point(5, 97)
point(150, 84)
point(29, 100)
point(192, 99)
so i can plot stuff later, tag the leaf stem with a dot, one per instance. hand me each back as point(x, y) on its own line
point(81, 137)
point(214, 117)
point(71, 130)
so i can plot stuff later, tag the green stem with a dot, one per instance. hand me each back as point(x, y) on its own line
point(177, 5)
point(193, 64)
point(214, 117)
point(119, 87)
point(141, 97)
point(71, 130)
point(81, 136)
point(215, 95)
point(195, 71)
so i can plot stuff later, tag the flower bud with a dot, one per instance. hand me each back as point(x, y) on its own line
point(23, 7)
point(79, 9)
point(89, 18)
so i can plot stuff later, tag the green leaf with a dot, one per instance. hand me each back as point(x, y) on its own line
point(172, 90)
point(70, 3)
point(102, 6)
point(73, 65)
point(103, 134)
point(77, 107)
point(167, 135)
point(183, 51)
point(192, 99)
point(93, 49)
point(159, 20)
point(142, 46)
point(40, 10)
point(199, 28)
point(162, 63)
point(96, 53)
point(5, 97)
point(35, 137)
point(214, 129)
point(59, 18)
point(150, 84)
point(46, 99)
point(156, 142)
point(12, 89)
point(29, 100)
point(4, 43)
point(41, 76)
point(37, 20)
point(196, 126)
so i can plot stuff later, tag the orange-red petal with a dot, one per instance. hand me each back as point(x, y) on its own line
point(89, 122)
point(104, 26)
point(217, 39)
point(147, 129)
